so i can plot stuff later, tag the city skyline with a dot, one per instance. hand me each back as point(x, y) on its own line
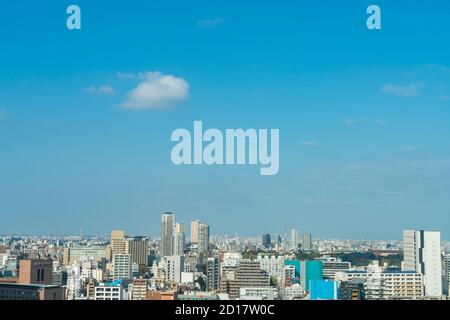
point(362, 114)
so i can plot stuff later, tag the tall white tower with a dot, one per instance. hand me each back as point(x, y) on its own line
point(422, 254)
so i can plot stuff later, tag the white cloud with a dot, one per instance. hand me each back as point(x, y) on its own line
point(100, 90)
point(209, 23)
point(156, 91)
point(381, 122)
point(309, 144)
point(411, 90)
point(445, 97)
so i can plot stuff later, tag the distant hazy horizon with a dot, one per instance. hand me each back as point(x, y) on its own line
point(86, 116)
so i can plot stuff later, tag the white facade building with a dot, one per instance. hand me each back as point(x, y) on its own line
point(422, 254)
point(173, 266)
point(122, 266)
point(109, 291)
point(274, 266)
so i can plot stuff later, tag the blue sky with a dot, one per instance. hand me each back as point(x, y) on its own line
point(363, 116)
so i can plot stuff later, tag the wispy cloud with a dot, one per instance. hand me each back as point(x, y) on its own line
point(410, 90)
point(409, 148)
point(156, 91)
point(130, 76)
point(445, 97)
point(437, 67)
point(381, 122)
point(309, 144)
point(209, 23)
point(100, 90)
point(350, 122)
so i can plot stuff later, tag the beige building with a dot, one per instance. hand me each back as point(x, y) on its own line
point(118, 244)
point(74, 254)
point(139, 289)
point(194, 231)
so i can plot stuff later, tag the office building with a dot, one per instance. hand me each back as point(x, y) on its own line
point(203, 239)
point(122, 266)
point(173, 267)
point(117, 242)
point(446, 274)
point(422, 254)
point(213, 274)
point(137, 247)
point(294, 239)
point(179, 228)
point(266, 241)
point(307, 242)
point(333, 265)
point(167, 231)
point(194, 231)
point(74, 254)
point(178, 243)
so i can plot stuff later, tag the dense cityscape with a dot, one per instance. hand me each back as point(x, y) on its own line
point(172, 266)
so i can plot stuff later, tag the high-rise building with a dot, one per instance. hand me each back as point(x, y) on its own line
point(179, 228)
point(266, 241)
point(422, 254)
point(446, 274)
point(137, 247)
point(294, 239)
point(310, 270)
point(122, 266)
point(307, 242)
point(213, 274)
point(167, 230)
point(178, 243)
point(173, 266)
point(194, 231)
point(117, 242)
point(203, 239)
